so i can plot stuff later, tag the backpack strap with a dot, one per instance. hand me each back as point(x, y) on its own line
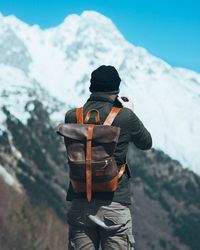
point(109, 120)
point(111, 116)
point(79, 115)
point(97, 117)
point(121, 171)
point(88, 162)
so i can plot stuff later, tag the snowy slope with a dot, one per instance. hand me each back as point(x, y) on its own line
point(61, 59)
point(17, 91)
point(11, 180)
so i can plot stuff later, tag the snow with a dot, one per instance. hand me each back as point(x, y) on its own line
point(11, 180)
point(17, 90)
point(14, 150)
point(13, 92)
point(166, 99)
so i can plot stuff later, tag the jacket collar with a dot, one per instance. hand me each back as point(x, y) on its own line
point(100, 96)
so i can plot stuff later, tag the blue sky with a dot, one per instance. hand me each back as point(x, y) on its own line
point(168, 29)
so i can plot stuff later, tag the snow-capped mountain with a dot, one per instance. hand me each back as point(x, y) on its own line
point(58, 62)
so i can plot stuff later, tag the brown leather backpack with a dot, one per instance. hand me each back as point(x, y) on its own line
point(90, 149)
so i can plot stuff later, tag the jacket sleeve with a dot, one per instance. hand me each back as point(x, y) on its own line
point(140, 136)
point(70, 116)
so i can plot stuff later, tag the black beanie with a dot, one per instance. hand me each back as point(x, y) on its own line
point(105, 79)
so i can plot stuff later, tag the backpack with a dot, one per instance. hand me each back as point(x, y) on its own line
point(90, 149)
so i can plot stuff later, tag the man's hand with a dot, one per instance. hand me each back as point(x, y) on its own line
point(126, 102)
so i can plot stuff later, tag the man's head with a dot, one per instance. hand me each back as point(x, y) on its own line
point(105, 79)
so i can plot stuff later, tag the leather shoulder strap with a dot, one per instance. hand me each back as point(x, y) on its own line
point(121, 171)
point(79, 115)
point(111, 116)
point(89, 162)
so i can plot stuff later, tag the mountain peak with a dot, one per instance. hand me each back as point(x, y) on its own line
point(90, 19)
point(12, 19)
point(14, 22)
point(98, 19)
point(90, 14)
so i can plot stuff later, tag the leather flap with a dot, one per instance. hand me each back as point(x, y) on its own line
point(106, 134)
point(101, 133)
point(72, 131)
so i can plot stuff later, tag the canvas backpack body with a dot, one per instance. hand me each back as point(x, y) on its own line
point(90, 149)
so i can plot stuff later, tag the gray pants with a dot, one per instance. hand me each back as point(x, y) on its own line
point(103, 224)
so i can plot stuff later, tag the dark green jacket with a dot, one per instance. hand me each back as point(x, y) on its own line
point(132, 130)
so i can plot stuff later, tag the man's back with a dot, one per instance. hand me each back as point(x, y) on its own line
point(132, 129)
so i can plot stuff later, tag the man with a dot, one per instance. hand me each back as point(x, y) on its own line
point(106, 220)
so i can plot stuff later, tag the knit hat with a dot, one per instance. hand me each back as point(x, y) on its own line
point(105, 79)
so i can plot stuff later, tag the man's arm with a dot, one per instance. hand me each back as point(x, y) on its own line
point(140, 136)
